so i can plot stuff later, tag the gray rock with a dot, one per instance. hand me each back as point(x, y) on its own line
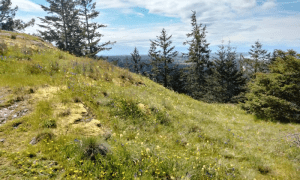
point(2, 140)
point(33, 141)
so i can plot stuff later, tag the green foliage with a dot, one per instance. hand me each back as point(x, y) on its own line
point(7, 16)
point(275, 95)
point(49, 123)
point(90, 34)
point(45, 136)
point(35, 69)
point(162, 58)
point(136, 61)
point(197, 76)
point(66, 20)
point(228, 80)
point(257, 63)
point(77, 34)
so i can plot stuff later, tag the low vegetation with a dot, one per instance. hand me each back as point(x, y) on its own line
point(92, 120)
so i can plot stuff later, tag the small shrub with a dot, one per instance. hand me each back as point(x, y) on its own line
point(44, 136)
point(91, 148)
point(77, 99)
point(13, 37)
point(34, 69)
point(264, 169)
point(49, 123)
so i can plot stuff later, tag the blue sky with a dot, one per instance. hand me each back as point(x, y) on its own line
point(132, 23)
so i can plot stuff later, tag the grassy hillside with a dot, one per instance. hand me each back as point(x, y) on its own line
point(64, 117)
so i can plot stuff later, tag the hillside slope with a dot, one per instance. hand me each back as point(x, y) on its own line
point(64, 117)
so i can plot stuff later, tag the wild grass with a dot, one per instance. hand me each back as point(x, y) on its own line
point(151, 132)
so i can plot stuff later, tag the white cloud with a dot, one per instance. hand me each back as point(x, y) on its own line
point(26, 5)
point(214, 9)
point(131, 11)
point(268, 5)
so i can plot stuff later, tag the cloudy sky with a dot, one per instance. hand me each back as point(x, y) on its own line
point(132, 23)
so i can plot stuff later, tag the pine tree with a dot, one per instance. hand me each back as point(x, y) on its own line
point(63, 28)
point(198, 54)
point(230, 80)
point(164, 57)
point(275, 95)
point(258, 62)
point(154, 62)
point(92, 38)
point(136, 61)
point(7, 15)
point(178, 80)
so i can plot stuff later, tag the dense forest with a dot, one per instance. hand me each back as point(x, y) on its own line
point(264, 84)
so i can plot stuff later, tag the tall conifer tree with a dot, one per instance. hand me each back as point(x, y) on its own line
point(92, 37)
point(198, 54)
point(258, 62)
point(63, 27)
point(229, 79)
point(164, 57)
point(136, 61)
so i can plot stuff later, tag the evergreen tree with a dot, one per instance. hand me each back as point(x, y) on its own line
point(230, 80)
point(63, 27)
point(178, 80)
point(136, 61)
point(164, 57)
point(92, 38)
point(127, 64)
point(154, 62)
point(7, 15)
point(275, 95)
point(198, 54)
point(258, 62)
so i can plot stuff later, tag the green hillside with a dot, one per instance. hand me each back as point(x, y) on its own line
point(64, 117)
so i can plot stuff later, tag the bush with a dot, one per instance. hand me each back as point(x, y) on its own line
point(275, 95)
point(91, 148)
point(49, 123)
point(35, 69)
point(44, 136)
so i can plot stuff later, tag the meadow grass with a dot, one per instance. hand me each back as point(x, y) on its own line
point(150, 132)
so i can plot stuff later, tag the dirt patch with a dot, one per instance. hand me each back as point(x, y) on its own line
point(79, 121)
